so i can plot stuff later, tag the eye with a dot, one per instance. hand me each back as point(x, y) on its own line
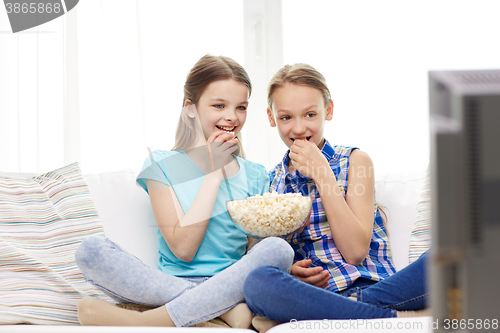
point(218, 106)
point(243, 108)
point(310, 114)
point(284, 117)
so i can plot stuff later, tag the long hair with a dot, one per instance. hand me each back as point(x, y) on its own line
point(207, 70)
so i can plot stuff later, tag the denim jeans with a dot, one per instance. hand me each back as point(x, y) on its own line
point(189, 300)
point(274, 293)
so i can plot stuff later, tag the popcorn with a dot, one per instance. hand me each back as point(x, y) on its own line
point(271, 214)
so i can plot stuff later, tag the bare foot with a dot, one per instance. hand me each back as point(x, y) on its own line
point(97, 312)
point(238, 317)
point(262, 324)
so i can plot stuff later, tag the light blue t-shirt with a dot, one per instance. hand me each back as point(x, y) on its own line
point(224, 243)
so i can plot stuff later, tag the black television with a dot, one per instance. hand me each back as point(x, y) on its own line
point(465, 199)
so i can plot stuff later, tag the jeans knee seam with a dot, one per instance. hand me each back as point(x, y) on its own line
point(392, 306)
point(106, 290)
point(172, 314)
point(209, 316)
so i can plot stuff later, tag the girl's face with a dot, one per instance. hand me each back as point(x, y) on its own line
point(299, 112)
point(223, 106)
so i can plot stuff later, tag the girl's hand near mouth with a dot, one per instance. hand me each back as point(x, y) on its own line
point(221, 146)
point(306, 158)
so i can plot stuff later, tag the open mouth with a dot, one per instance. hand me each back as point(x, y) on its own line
point(226, 128)
point(307, 138)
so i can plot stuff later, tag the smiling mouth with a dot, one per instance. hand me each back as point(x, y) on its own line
point(226, 128)
point(307, 138)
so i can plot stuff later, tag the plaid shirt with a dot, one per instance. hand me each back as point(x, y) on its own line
point(316, 241)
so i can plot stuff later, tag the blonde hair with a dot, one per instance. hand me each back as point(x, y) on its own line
point(301, 74)
point(207, 70)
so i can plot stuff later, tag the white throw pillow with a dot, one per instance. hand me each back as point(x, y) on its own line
point(42, 221)
point(420, 238)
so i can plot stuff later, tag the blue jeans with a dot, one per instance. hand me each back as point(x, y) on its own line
point(274, 293)
point(189, 300)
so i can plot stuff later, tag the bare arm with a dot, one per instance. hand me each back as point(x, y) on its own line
point(184, 241)
point(184, 233)
point(350, 220)
point(251, 242)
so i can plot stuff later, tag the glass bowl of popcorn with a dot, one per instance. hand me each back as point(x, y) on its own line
point(271, 214)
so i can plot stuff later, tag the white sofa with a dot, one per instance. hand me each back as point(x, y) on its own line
point(126, 214)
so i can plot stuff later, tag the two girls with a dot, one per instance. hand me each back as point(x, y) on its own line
point(202, 264)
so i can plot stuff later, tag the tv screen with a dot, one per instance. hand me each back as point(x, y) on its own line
point(465, 194)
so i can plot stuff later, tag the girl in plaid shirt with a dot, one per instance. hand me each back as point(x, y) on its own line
point(344, 250)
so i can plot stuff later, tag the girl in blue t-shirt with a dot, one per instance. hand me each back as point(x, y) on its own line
point(202, 264)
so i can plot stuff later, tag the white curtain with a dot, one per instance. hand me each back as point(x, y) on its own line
point(31, 97)
point(125, 73)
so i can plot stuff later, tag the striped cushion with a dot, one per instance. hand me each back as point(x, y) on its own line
point(420, 239)
point(42, 221)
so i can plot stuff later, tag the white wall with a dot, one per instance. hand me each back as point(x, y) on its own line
point(375, 56)
point(131, 68)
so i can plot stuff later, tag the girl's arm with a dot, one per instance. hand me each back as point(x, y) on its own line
point(184, 241)
point(184, 233)
point(251, 242)
point(350, 220)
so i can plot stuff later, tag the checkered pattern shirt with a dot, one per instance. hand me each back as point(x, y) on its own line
point(316, 241)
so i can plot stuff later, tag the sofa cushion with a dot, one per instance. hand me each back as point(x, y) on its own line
point(43, 219)
point(126, 213)
point(398, 192)
point(420, 238)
